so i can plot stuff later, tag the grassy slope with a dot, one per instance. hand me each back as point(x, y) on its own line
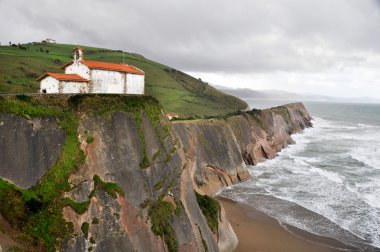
point(176, 91)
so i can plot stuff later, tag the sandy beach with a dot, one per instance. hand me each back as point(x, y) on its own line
point(259, 232)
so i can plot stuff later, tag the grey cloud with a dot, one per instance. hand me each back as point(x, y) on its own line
point(242, 36)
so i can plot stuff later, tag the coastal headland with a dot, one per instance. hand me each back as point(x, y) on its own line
point(111, 172)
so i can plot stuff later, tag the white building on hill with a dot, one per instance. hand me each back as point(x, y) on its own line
point(49, 41)
point(88, 76)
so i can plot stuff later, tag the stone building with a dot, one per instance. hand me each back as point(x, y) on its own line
point(89, 76)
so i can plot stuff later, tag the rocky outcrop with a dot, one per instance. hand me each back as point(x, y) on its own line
point(126, 175)
point(28, 148)
point(116, 155)
point(219, 150)
point(227, 239)
point(131, 192)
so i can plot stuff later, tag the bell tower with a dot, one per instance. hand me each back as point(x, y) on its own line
point(78, 54)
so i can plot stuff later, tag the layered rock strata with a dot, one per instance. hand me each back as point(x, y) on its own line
point(136, 166)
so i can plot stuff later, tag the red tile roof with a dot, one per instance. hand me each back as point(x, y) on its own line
point(92, 64)
point(112, 66)
point(63, 77)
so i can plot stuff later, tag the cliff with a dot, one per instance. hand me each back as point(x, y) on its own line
point(218, 150)
point(107, 172)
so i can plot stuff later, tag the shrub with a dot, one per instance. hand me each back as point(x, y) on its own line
point(90, 139)
point(78, 207)
point(210, 209)
point(85, 228)
point(110, 188)
point(95, 221)
point(160, 213)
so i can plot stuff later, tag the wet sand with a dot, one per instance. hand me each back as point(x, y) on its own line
point(259, 232)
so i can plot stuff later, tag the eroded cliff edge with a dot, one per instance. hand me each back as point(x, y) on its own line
point(104, 172)
point(218, 150)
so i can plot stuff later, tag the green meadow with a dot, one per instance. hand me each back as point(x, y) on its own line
point(177, 92)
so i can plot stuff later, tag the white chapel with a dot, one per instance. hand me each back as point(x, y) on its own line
point(89, 76)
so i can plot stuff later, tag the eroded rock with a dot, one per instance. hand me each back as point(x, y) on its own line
point(28, 148)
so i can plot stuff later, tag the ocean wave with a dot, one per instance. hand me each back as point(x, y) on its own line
point(332, 170)
point(332, 176)
point(367, 155)
point(369, 192)
point(305, 161)
point(372, 199)
point(327, 124)
point(286, 210)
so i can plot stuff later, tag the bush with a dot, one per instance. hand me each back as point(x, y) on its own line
point(95, 221)
point(23, 97)
point(210, 209)
point(160, 213)
point(111, 188)
point(78, 207)
point(90, 139)
point(85, 228)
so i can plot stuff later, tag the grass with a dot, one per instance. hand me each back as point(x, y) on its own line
point(12, 204)
point(284, 112)
point(210, 209)
point(39, 209)
point(78, 207)
point(175, 90)
point(85, 228)
point(111, 189)
point(160, 213)
point(159, 184)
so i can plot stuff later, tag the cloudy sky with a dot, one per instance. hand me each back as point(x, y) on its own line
point(329, 47)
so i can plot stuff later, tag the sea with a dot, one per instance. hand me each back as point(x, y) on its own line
point(328, 183)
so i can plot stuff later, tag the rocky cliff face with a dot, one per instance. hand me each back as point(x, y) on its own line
point(97, 173)
point(117, 155)
point(17, 136)
point(219, 150)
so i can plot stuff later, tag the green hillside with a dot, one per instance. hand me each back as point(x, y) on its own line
point(177, 92)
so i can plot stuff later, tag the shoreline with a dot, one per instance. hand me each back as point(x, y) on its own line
point(257, 231)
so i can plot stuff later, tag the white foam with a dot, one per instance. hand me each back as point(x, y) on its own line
point(329, 190)
point(363, 125)
point(351, 188)
point(332, 176)
point(369, 156)
point(372, 199)
point(368, 191)
point(312, 159)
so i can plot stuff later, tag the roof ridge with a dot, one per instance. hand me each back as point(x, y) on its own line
point(103, 65)
point(63, 76)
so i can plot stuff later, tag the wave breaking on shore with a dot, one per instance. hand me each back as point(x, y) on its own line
point(326, 184)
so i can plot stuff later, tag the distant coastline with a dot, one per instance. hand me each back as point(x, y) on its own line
point(279, 95)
